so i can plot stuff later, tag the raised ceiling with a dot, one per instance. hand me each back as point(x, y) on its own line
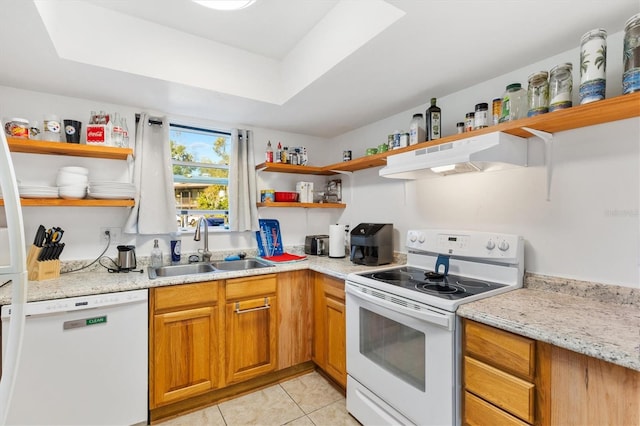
point(317, 67)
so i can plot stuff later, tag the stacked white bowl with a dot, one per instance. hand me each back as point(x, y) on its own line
point(72, 182)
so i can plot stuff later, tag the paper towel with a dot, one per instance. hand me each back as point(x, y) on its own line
point(336, 241)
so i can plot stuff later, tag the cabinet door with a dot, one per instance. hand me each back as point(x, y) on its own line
point(185, 354)
point(295, 318)
point(251, 338)
point(329, 342)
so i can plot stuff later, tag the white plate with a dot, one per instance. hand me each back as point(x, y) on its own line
point(37, 195)
point(112, 196)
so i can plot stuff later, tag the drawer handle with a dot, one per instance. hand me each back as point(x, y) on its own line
point(259, 308)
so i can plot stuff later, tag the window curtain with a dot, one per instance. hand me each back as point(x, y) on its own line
point(155, 208)
point(243, 211)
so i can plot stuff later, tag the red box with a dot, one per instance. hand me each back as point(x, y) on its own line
point(97, 134)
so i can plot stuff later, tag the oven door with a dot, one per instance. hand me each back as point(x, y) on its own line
point(400, 360)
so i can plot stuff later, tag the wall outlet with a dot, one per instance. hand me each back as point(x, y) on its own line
point(114, 233)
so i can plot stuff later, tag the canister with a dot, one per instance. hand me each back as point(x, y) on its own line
point(267, 195)
point(631, 55)
point(538, 94)
point(593, 64)
point(560, 87)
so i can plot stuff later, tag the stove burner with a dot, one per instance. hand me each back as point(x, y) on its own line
point(440, 289)
point(391, 276)
point(471, 283)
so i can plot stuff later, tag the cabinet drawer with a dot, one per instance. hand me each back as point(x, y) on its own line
point(242, 288)
point(508, 392)
point(507, 351)
point(179, 296)
point(478, 412)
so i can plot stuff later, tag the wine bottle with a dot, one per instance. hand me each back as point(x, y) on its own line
point(434, 121)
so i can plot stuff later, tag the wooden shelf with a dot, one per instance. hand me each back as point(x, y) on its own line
point(600, 112)
point(60, 202)
point(305, 205)
point(70, 149)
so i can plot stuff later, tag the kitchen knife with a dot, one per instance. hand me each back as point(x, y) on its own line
point(39, 239)
point(58, 251)
point(44, 253)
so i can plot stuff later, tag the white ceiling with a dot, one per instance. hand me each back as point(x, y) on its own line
point(317, 67)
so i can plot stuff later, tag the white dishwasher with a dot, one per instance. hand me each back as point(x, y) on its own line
point(83, 362)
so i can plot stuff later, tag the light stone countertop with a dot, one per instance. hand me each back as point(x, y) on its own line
point(601, 321)
point(597, 320)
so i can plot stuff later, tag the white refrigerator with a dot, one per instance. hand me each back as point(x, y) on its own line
point(13, 269)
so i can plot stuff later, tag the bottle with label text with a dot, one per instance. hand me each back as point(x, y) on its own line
point(278, 155)
point(269, 153)
point(416, 129)
point(434, 121)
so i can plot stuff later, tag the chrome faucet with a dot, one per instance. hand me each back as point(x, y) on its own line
point(206, 254)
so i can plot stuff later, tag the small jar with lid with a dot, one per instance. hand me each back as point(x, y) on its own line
point(560, 87)
point(469, 121)
point(538, 94)
point(460, 127)
point(593, 66)
point(631, 55)
point(481, 117)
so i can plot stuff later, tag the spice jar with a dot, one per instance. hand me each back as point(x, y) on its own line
point(631, 55)
point(481, 116)
point(469, 121)
point(538, 94)
point(496, 108)
point(460, 127)
point(560, 87)
point(593, 66)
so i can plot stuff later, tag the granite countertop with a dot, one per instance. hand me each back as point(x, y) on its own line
point(602, 321)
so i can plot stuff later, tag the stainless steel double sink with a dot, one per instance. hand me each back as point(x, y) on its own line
point(203, 268)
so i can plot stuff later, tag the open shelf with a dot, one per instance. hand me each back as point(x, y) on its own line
point(30, 146)
point(305, 205)
point(600, 112)
point(61, 202)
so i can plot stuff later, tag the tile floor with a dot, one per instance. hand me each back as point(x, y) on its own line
point(303, 401)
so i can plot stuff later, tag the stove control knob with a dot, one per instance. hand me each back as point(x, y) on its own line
point(412, 237)
point(421, 238)
point(490, 245)
point(504, 246)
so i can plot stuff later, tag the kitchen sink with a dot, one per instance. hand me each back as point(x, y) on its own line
point(176, 270)
point(239, 265)
point(203, 268)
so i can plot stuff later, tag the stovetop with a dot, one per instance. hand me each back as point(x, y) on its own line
point(451, 287)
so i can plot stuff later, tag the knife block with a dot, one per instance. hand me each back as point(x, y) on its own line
point(41, 270)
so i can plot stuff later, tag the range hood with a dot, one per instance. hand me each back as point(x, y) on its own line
point(491, 151)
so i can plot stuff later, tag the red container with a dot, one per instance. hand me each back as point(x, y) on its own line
point(286, 197)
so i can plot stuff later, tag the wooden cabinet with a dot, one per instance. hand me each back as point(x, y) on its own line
point(499, 376)
point(183, 342)
point(295, 318)
point(329, 342)
point(588, 391)
point(251, 327)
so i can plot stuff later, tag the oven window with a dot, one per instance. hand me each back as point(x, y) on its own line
point(393, 346)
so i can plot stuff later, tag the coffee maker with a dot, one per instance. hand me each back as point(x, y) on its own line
point(372, 244)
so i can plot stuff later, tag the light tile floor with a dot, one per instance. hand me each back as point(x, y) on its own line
point(303, 401)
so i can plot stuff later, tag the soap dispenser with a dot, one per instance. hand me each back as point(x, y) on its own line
point(156, 255)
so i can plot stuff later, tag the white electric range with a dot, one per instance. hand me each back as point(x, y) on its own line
point(403, 337)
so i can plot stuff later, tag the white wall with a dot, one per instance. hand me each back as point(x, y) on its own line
point(589, 229)
point(82, 224)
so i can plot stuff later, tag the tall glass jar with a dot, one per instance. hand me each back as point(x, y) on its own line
point(631, 55)
point(561, 87)
point(514, 103)
point(593, 66)
point(538, 94)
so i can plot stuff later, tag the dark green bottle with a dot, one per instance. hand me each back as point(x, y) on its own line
point(434, 121)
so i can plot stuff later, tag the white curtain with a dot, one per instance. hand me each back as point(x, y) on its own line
point(243, 211)
point(155, 208)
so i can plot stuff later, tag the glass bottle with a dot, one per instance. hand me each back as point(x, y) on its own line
point(631, 55)
point(269, 153)
point(538, 93)
point(416, 129)
point(593, 66)
point(560, 87)
point(125, 132)
point(117, 132)
point(514, 103)
point(434, 121)
point(156, 255)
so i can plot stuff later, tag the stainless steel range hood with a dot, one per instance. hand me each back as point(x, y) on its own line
point(491, 151)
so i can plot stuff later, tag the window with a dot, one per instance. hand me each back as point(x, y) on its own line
point(200, 159)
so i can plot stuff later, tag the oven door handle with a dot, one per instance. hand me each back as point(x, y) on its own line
point(423, 313)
